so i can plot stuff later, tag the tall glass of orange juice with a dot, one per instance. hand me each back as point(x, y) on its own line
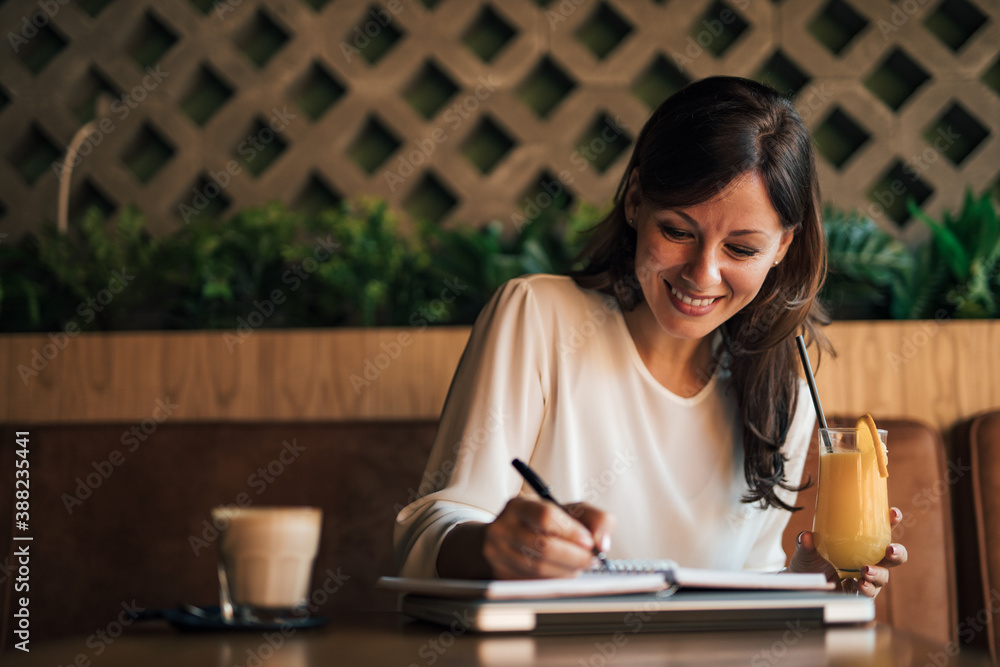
point(851, 526)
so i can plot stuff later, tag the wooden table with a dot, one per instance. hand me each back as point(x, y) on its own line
point(376, 639)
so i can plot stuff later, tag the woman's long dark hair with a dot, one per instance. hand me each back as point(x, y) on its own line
point(697, 143)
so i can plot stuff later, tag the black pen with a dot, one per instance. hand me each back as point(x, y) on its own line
point(542, 489)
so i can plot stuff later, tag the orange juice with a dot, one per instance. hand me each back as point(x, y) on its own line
point(851, 526)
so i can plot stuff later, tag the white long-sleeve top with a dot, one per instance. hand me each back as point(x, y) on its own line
point(552, 376)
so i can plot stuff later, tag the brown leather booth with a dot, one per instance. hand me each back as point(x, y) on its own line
point(117, 519)
point(921, 595)
point(977, 521)
point(139, 529)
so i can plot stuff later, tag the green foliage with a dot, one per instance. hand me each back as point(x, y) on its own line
point(353, 266)
point(952, 274)
point(579, 225)
point(483, 259)
point(867, 269)
point(344, 267)
point(99, 278)
point(30, 299)
point(965, 253)
point(223, 267)
point(923, 287)
point(375, 275)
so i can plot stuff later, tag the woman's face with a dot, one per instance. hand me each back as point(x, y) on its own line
point(700, 265)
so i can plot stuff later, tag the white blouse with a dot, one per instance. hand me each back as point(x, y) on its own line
point(552, 376)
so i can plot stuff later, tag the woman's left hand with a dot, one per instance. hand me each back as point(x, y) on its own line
point(873, 577)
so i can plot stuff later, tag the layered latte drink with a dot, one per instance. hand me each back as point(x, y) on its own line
point(267, 555)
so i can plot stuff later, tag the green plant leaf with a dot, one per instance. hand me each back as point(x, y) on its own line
point(867, 268)
point(948, 245)
point(923, 289)
point(987, 243)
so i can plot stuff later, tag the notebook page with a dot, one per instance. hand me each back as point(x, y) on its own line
point(691, 577)
point(587, 584)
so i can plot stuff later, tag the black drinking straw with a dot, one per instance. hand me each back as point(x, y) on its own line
point(815, 393)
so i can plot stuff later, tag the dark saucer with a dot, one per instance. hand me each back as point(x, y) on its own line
point(190, 617)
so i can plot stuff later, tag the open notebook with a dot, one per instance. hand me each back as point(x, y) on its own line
point(626, 576)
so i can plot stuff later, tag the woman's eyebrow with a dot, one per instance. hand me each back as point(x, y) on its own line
point(694, 223)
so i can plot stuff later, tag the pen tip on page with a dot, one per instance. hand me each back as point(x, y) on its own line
point(603, 558)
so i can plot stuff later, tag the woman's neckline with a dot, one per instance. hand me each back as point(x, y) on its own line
point(716, 342)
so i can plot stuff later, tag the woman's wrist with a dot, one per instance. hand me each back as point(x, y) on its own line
point(461, 553)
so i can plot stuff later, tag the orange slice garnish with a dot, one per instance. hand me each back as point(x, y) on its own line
point(869, 440)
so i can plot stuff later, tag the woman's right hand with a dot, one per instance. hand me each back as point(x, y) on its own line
point(534, 539)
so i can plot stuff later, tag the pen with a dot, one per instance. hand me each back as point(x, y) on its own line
point(542, 489)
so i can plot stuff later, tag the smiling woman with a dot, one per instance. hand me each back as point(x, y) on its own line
point(721, 187)
point(671, 349)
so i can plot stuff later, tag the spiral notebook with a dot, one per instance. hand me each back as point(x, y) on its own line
point(626, 576)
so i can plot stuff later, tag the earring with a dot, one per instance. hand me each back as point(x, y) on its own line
point(776, 262)
point(631, 223)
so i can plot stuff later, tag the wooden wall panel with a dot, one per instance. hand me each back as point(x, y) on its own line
point(33, 381)
point(271, 375)
point(936, 372)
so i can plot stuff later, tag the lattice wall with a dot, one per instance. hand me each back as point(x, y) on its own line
point(462, 111)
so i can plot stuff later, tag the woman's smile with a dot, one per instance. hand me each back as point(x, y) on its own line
point(689, 304)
